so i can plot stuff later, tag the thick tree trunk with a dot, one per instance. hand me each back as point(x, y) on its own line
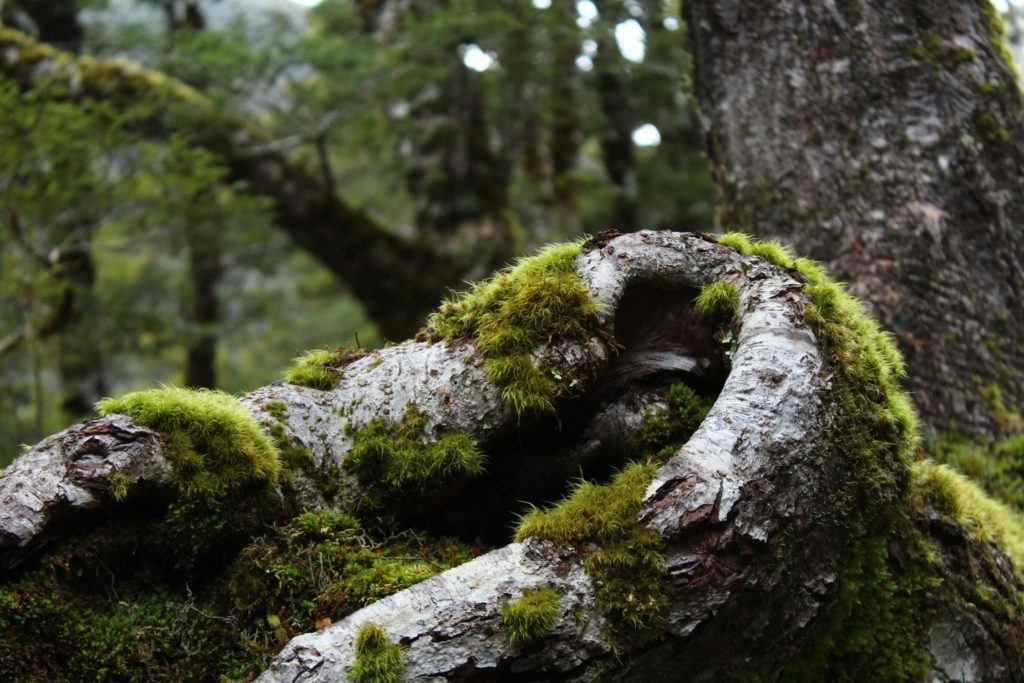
point(885, 139)
point(785, 539)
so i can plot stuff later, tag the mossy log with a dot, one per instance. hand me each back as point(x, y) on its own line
point(795, 535)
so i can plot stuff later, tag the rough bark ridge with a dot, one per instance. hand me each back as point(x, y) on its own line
point(886, 139)
point(786, 538)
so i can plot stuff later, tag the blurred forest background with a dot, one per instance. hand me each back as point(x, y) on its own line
point(134, 252)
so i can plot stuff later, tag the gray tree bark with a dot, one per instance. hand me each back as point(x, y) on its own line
point(886, 140)
point(751, 513)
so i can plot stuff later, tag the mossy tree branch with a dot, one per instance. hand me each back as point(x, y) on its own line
point(796, 509)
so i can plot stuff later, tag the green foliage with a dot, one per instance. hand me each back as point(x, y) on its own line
point(537, 301)
point(378, 660)
point(623, 557)
point(532, 616)
point(214, 444)
point(663, 431)
point(397, 458)
point(321, 368)
point(718, 299)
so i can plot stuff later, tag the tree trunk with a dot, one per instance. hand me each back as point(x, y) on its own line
point(790, 537)
point(885, 139)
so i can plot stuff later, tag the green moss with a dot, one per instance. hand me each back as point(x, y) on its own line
point(537, 301)
point(213, 443)
point(293, 454)
point(989, 128)
point(378, 660)
point(718, 299)
point(623, 557)
point(998, 467)
point(396, 457)
point(1008, 420)
point(327, 565)
point(532, 616)
point(321, 368)
point(994, 26)
point(954, 495)
point(872, 632)
point(118, 482)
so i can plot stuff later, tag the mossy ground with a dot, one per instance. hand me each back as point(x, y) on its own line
point(531, 616)
point(321, 368)
point(396, 458)
point(378, 660)
point(537, 301)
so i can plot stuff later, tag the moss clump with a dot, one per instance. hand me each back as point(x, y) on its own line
point(873, 430)
point(956, 496)
point(214, 445)
point(999, 467)
point(994, 26)
point(989, 128)
point(718, 299)
point(623, 557)
point(537, 301)
point(378, 660)
point(327, 565)
point(396, 457)
point(532, 616)
point(872, 632)
point(664, 430)
point(321, 368)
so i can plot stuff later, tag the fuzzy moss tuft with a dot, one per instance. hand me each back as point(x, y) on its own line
point(321, 368)
point(214, 445)
point(718, 299)
point(623, 557)
point(532, 616)
point(999, 467)
point(537, 301)
point(396, 457)
point(378, 660)
point(956, 496)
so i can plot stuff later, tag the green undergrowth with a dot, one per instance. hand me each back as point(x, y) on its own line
point(327, 565)
point(537, 301)
point(623, 557)
point(532, 616)
point(378, 660)
point(396, 457)
point(214, 445)
point(321, 368)
point(998, 467)
point(114, 604)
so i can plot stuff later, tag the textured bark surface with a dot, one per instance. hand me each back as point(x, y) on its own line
point(751, 512)
point(885, 139)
